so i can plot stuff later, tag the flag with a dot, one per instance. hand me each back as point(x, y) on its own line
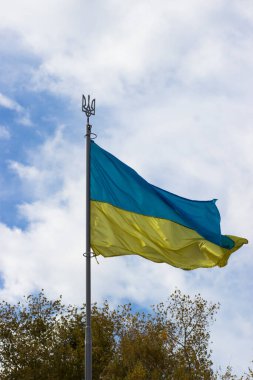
point(129, 216)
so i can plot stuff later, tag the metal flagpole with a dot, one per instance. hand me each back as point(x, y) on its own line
point(89, 110)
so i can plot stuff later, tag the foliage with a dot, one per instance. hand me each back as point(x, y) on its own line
point(170, 343)
point(44, 339)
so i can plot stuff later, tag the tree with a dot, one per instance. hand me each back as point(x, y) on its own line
point(44, 339)
point(171, 343)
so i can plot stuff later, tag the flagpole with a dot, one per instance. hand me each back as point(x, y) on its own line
point(89, 110)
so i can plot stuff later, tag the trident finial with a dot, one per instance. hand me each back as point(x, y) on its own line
point(88, 108)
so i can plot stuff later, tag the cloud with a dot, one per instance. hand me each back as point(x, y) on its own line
point(9, 103)
point(23, 115)
point(116, 51)
point(4, 133)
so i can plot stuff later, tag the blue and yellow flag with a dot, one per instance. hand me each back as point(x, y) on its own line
point(129, 216)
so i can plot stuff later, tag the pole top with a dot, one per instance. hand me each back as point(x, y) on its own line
point(87, 107)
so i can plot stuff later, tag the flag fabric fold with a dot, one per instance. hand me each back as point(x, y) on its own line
point(131, 216)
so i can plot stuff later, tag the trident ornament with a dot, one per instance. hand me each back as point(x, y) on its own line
point(88, 108)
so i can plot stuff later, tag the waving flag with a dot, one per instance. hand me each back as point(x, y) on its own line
point(129, 216)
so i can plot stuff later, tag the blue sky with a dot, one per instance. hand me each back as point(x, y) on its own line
point(173, 83)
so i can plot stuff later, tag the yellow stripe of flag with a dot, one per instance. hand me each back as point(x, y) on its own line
point(117, 232)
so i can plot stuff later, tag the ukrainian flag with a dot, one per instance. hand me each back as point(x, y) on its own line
point(131, 216)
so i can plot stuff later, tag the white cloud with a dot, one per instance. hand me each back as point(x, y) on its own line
point(4, 133)
point(9, 103)
point(109, 48)
point(23, 115)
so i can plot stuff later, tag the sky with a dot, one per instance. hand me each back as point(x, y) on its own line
point(173, 85)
